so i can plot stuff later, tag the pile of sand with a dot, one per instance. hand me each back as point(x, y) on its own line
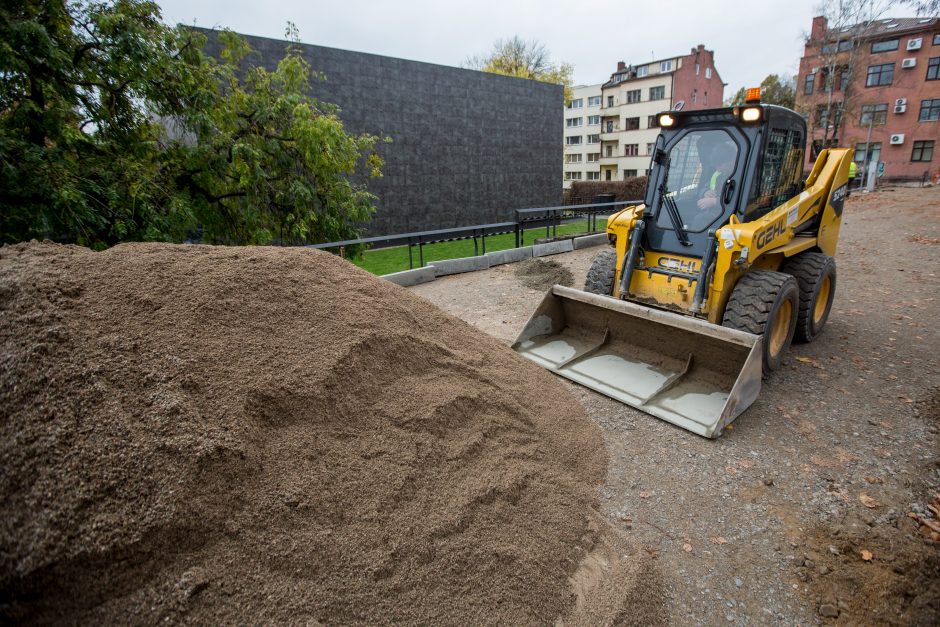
point(271, 435)
point(542, 274)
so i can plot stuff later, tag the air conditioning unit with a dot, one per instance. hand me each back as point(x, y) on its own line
point(900, 108)
point(897, 139)
point(915, 44)
point(900, 102)
point(908, 63)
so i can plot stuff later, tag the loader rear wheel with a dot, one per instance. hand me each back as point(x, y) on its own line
point(815, 273)
point(765, 303)
point(600, 278)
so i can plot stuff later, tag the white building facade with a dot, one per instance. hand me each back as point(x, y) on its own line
point(582, 135)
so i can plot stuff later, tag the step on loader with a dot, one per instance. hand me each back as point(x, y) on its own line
point(726, 261)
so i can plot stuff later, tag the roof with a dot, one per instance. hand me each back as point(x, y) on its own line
point(891, 26)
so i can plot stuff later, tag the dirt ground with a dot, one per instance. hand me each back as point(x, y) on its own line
point(805, 512)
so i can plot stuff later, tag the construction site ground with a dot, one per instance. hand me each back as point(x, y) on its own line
point(807, 510)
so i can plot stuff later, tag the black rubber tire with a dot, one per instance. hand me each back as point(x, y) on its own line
point(755, 304)
point(811, 271)
point(600, 278)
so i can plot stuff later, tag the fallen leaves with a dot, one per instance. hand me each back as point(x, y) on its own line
point(718, 540)
point(868, 501)
point(867, 555)
point(874, 480)
point(687, 547)
point(931, 526)
point(645, 494)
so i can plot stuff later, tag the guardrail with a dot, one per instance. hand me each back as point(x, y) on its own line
point(549, 217)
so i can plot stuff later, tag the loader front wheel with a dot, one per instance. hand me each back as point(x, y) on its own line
point(815, 273)
point(765, 303)
point(600, 278)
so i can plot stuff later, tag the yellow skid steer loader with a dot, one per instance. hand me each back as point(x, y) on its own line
point(728, 258)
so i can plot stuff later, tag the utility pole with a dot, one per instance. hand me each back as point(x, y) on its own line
point(869, 181)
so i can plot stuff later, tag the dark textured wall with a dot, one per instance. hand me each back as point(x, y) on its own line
point(467, 147)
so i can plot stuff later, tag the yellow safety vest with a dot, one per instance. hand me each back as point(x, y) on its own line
point(714, 181)
point(852, 169)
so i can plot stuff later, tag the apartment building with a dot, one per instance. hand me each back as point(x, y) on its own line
point(879, 80)
point(582, 135)
point(635, 94)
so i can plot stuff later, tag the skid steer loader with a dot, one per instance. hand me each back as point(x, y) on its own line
point(729, 257)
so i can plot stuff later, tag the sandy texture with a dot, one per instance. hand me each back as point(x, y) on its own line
point(265, 435)
point(542, 274)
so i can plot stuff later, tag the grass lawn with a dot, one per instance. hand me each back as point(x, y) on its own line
point(387, 260)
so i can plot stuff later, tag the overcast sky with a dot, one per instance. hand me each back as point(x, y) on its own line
point(750, 39)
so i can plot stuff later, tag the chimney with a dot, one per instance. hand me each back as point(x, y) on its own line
point(820, 25)
point(621, 66)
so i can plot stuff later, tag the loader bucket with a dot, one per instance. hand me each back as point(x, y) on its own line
point(687, 371)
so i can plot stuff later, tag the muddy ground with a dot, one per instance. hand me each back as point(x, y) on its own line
point(804, 511)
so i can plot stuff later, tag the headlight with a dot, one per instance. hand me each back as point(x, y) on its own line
point(666, 120)
point(751, 114)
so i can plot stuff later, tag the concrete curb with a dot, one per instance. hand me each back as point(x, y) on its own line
point(407, 278)
point(457, 266)
point(598, 239)
point(552, 248)
point(510, 255)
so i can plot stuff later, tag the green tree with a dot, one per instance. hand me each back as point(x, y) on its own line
point(116, 127)
point(773, 90)
point(523, 59)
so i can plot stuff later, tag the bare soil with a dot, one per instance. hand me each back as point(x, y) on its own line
point(806, 511)
point(541, 274)
point(258, 435)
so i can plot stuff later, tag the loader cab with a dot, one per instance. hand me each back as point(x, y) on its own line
point(712, 163)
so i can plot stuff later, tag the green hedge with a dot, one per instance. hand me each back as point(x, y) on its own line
point(583, 192)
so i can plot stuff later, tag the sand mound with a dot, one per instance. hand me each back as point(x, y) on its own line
point(542, 274)
point(266, 435)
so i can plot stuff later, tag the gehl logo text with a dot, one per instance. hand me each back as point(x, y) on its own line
point(678, 265)
point(771, 233)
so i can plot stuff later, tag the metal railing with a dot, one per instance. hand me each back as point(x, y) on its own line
point(537, 217)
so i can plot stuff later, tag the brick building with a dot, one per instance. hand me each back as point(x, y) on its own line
point(634, 95)
point(881, 78)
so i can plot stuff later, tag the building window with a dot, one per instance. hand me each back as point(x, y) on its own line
point(631, 124)
point(633, 96)
point(652, 121)
point(593, 176)
point(873, 114)
point(808, 83)
point(649, 148)
point(936, 39)
point(593, 120)
point(933, 69)
point(575, 158)
point(594, 101)
point(609, 174)
point(572, 176)
point(610, 101)
point(929, 110)
point(696, 69)
point(631, 150)
point(923, 151)
point(827, 115)
point(610, 126)
point(593, 157)
point(880, 75)
point(665, 66)
point(574, 140)
point(629, 174)
point(572, 122)
point(576, 104)
point(694, 96)
point(863, 155)
point(594, 139)
point(610, 151)
point(706, 99)
point(844, 79)
point(657, 93)
point(708, 72)
point(884, 46)
point(645, 70)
